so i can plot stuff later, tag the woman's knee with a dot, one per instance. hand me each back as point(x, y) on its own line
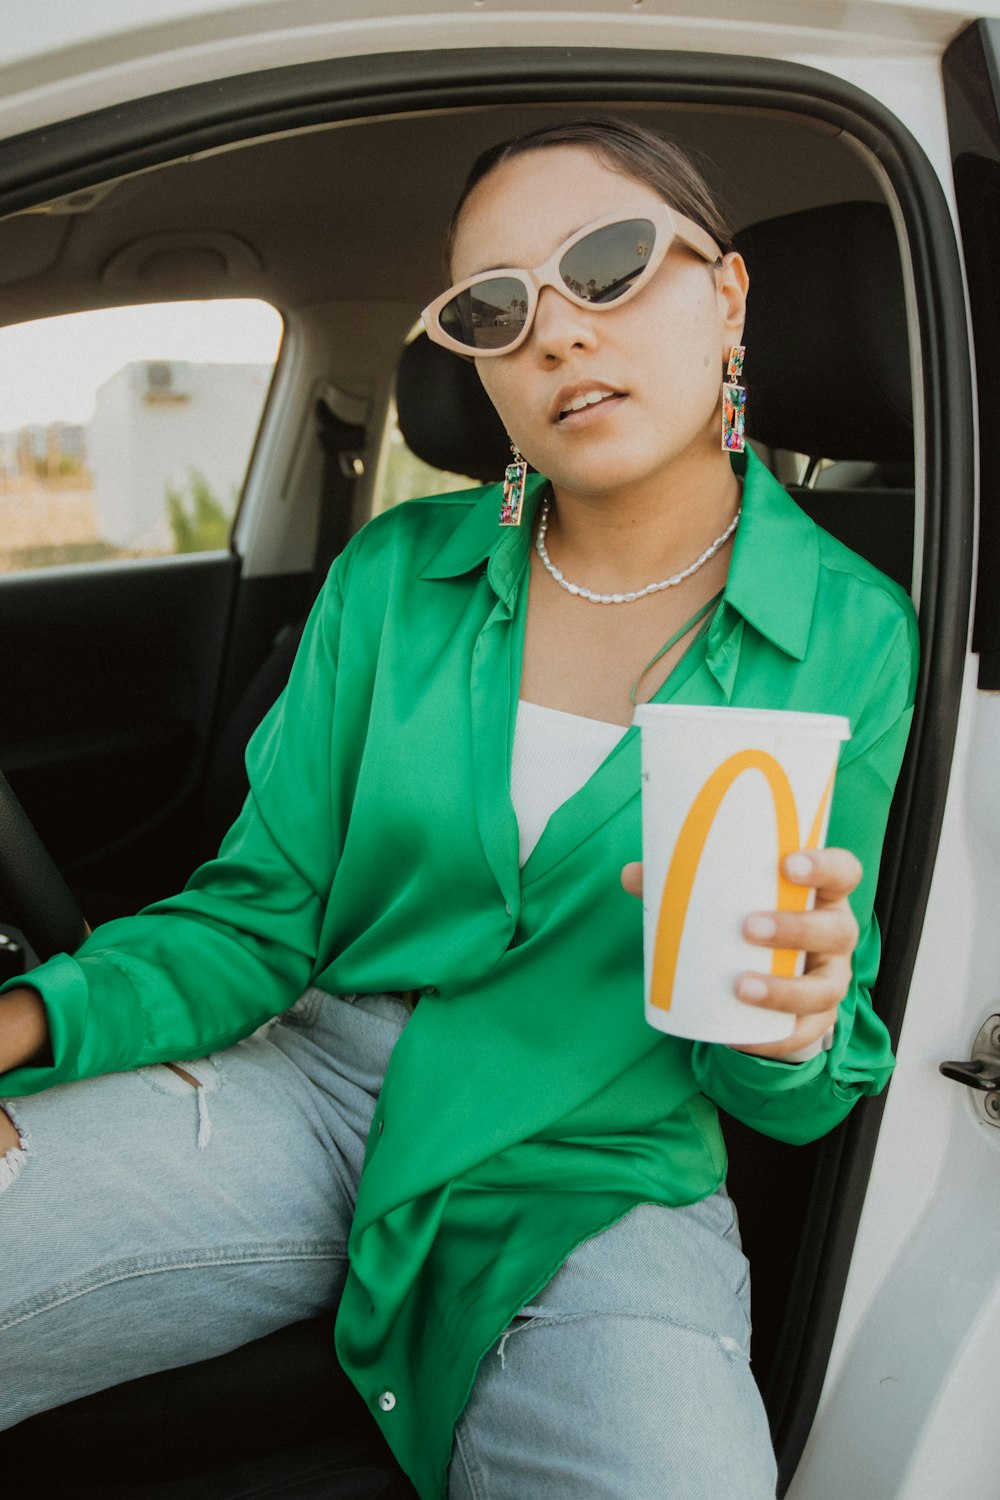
point(609, 1404)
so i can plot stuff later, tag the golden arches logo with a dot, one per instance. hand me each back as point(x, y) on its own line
point(691, 844)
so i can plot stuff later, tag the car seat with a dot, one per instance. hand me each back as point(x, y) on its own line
point(828, 378)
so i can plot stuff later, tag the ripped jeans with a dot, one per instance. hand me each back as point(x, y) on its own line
point(147, 1223)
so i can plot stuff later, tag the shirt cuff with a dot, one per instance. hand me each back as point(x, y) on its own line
point(721, 1069)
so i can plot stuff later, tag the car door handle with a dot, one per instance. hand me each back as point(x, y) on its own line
point(982, 1070)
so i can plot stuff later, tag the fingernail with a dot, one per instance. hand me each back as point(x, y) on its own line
point(798, 866)
point(760, 927)
point(750, 988)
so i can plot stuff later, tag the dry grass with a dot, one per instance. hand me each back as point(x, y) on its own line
point(50, 523)
point(46, 512)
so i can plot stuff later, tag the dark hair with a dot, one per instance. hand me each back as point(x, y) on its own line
point(623, 147)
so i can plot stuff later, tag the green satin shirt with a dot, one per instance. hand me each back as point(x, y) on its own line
point(527, 1104)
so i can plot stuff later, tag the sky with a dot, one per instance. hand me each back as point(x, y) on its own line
point(50, 369)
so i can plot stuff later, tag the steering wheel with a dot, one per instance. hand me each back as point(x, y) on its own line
point(32, 890)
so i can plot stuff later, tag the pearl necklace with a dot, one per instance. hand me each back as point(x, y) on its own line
point(651, 588)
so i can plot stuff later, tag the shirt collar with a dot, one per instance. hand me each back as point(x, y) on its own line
point(774, 571)
point(480, 536)
point(772, 576)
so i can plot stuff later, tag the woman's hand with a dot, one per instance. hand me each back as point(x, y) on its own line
point(828, 935)
point(24, 1029)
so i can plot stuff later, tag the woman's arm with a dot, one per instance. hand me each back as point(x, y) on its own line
point(24, 1030)
point(198, 971)
point(800, 1101)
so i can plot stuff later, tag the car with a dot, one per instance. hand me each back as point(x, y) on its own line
point(306, 158)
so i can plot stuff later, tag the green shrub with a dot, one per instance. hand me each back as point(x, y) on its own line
point(203, 525)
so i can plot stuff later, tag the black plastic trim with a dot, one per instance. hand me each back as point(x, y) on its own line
point(972, 98)
point(137, 684)
point(78, 153)
point(32, 887)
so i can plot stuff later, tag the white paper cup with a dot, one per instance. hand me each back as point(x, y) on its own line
point(726, 794)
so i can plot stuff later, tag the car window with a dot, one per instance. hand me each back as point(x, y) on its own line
point(126, 432)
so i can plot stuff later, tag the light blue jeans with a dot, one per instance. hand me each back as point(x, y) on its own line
point(149, 1223)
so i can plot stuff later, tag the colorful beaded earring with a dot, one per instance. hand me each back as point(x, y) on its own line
point(514, 476)
point(734, 404)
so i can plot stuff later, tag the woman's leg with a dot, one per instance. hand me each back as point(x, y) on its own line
point(154, 1218)
point(628, 1375)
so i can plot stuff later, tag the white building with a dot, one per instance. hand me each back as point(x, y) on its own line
point(155, 422)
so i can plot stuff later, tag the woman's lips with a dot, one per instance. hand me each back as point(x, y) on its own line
point(594, 412)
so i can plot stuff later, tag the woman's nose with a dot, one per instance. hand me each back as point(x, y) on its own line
point(561, 326)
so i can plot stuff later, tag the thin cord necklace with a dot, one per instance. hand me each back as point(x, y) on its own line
point(651, 588)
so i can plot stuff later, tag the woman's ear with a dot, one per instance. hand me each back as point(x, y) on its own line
point(731, 285)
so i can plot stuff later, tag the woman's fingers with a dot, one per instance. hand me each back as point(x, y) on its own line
point(827, 935)
point(832, 929)
point(813, 994)
point(834, 872)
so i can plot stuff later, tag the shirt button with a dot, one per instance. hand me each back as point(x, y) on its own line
point(380, 1125)
point(430, 989)
point(508, 909)
point(387, 1401)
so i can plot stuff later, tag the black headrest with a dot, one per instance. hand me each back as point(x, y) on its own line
point(445, 416)
point(827, 365)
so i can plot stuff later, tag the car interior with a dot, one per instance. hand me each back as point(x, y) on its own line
point(132, 687)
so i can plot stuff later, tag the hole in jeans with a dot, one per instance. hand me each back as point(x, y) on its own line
point(190, 1080)
point(13, 1152)
point(181, 1073)
point(516, 1326)
point(178, 1079)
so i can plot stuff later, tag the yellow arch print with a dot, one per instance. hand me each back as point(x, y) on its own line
point(690, 846)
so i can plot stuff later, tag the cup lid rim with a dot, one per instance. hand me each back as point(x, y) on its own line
point(836, 726)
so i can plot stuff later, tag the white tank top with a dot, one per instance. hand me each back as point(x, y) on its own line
point(554, 754)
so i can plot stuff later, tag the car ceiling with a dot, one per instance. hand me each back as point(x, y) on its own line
point(357, 211)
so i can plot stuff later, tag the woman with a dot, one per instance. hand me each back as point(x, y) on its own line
point(545, 1293)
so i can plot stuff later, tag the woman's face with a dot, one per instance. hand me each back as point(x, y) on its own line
point(659, 358)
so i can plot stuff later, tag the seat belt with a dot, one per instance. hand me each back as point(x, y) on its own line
point(342, 438)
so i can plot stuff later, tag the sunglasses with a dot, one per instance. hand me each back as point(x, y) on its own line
point(602, 265)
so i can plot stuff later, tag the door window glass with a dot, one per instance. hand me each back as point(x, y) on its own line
point(126, 432)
